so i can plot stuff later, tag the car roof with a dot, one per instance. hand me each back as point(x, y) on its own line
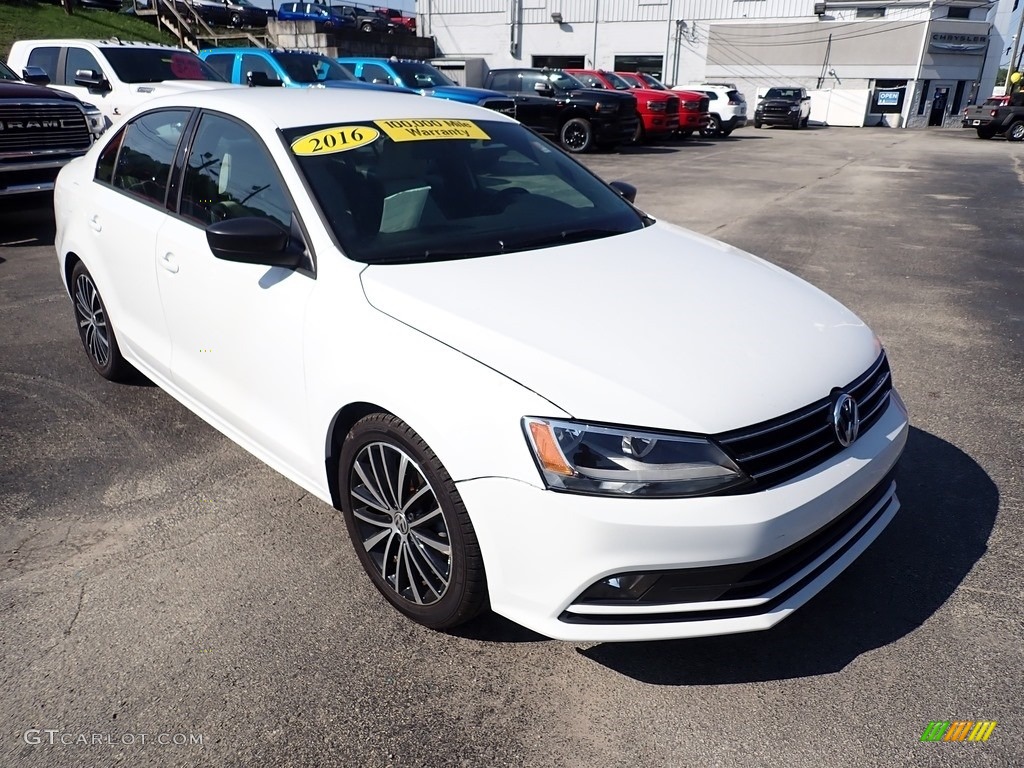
point(108, 43)
point(273, 108)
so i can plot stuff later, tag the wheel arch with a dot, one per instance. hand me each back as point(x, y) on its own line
point(341, 424)
point(70, 260)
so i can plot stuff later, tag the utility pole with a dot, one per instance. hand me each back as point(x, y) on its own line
point(1013, 56)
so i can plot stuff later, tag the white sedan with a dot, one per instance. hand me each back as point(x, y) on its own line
point(520, 390)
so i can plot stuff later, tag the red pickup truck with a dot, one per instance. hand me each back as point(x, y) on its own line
point(658, 110)
point(693, 105)
point(396, 21)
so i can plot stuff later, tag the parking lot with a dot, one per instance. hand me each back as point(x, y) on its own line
point(158, 581)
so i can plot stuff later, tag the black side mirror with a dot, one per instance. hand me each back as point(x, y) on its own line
point(35, 75)
point(625, 189)
point(91, 79)
point(253, 240)
point(543, 89)
point(261, 80)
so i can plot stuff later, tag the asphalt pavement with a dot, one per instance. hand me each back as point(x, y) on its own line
point(167, 600)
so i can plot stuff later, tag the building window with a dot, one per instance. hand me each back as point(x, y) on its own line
point(870, 13)
point(958, 12)
point(924, 96)
point(558, 62)
point(888, 96)
point(652, 65)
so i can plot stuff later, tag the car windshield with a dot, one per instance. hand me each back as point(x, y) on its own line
point(416, 74)
point(782, 93)
point(311, 68)
point(652, 82)
point(7, 74)
point(617, 82)
point(153, 65)
point(563, 81)
point(437, 189)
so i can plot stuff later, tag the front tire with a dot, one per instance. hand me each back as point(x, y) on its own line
point(409, 527)
point(639, 135)
point(367, 27)
point(94, 327)
point(1015, 132)
point(712, 128)
point(576, 135)
point(757, 123)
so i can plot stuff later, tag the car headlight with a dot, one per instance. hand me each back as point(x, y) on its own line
point(578, 457)
point(605, 106)
point(656, 106)
point(94, 119)
point(794, 108)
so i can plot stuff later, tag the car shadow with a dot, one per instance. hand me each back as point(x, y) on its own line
point(949, 506)
point(27, 221)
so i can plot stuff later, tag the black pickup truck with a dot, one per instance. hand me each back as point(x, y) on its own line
point(783, 106)
point(41, 130)
point(557, 105)
point(997, 116)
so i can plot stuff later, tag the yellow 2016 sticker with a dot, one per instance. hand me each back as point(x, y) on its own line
point(341, 138)
point(418, 129)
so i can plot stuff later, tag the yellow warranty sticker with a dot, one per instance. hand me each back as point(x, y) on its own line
point(418, 129)
point(341, 138)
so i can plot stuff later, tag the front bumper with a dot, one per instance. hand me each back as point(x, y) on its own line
point(617, 130)
point(777, 118)
point(543, 549)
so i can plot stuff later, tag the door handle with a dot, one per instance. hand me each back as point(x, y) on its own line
point(94, 222)
point(167, 262)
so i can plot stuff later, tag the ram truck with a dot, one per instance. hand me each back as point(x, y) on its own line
point(997, 115)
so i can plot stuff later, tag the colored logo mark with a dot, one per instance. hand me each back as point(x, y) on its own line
point(959, 730)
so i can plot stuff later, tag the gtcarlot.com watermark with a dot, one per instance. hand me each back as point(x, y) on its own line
point(55, 736)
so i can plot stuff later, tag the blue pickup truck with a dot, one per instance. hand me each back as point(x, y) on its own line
point(424, 79)
point(291, 69)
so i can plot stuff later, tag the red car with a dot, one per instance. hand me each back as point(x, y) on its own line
point(658, 110)
point(693, 106)
point(396, 21)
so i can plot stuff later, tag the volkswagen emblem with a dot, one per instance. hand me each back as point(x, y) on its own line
point(845, 419)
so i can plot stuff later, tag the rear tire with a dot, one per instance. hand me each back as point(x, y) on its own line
point(985, 133)
point(407, 522)
point(576, 135)
point(725, 132)
point(1015, 132)
point(685, 134)
point(94, 327)
point(712, 128)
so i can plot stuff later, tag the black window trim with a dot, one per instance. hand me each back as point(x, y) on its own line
point(178, 170)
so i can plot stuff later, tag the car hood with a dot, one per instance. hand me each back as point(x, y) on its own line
point(359, 85)
point(602, 93)
point(778, 102)
point(15, 89)
point(464, 94)
point(659, 328)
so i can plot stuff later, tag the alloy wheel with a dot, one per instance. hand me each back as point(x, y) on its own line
point(92, 320)
point(400, 523)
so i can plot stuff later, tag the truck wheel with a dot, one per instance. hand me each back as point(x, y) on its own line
point(725, 132)
point(576, 135)
point(712, 128)
point(807, 120)
point(757, 123)
point(798, 124)
point(367, 27)
point(639, 135)
point(685, 133)
point(1015, 132)
point(985, 133)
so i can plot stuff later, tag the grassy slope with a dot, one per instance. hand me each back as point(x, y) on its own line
point(30, 21)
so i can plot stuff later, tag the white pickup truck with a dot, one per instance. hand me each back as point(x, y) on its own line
point(114, 75)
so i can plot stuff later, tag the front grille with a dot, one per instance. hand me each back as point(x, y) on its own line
point(505, 106)
point(672, 106)
point(28, 127)
point(777, 111)
point(725, 584)
point(782, 448)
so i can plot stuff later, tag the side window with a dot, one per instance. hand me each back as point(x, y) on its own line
point(712, 96)
point(374, 73)
point(47, 59)
point(147, 152)
point(529, 79)
point(78, 59)
point(252, 63)
point(505, 81)
point(108, 157)
point(221, 63)
point(230, 175)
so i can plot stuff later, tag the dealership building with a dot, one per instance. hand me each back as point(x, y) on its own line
point(902, 63)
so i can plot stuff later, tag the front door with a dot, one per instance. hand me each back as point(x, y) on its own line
point(939, 101)
point(237, 341)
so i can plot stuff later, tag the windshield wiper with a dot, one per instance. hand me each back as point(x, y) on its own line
point(438, 254)
point(566, 236)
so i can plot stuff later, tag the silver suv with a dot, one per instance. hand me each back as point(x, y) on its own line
point(726, 105)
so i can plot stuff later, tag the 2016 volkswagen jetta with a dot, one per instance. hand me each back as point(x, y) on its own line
point(520, 390)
